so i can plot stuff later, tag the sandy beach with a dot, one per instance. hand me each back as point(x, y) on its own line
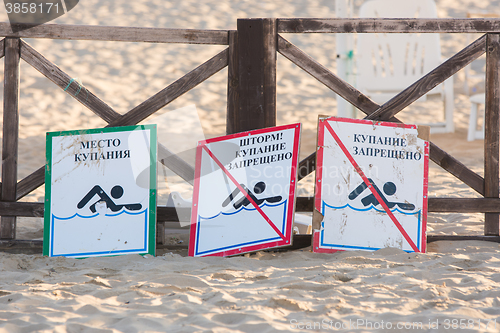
point(455, 286)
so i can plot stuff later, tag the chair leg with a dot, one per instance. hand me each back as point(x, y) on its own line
point(480, 134)
point(471, 135)
point(449, 105)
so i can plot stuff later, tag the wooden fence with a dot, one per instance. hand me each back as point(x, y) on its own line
point(251, 98)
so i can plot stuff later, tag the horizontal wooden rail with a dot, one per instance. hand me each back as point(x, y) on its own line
point(464, 205)
point(436, 238)
point(21, 246)
point(119, 34)
point(303, 204)
point(299, 242)
point(26, 209)
point(436, 205)
point(169, 214)
point(36, 209)
point(388, 25)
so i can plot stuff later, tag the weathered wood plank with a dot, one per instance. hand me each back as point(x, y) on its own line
point(61, 79)
point(388, 25)
point(435, 238)
point(22, 246)
point(119, 34)
point(436, 205)
point(323, 75)
point(464, 205)
point(160, 233)
point(26, 209)
point(304, 204)
point(300, 241)
point(232, 84)
point(431, 80)
point(10, 138)
point(173, 91)
point(36, 209)
point(257, 74)
point(492, 131)
point(2, 48)
point(169, 214)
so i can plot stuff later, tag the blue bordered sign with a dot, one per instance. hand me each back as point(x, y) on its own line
point(244, 192)
point(100, 192)
point(371, 185)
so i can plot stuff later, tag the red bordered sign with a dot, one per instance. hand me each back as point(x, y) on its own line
point(244, 192)
point(371, 182)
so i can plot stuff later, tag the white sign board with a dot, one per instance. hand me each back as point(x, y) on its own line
point(100, 192)
point(371, 186)
point(244, 192)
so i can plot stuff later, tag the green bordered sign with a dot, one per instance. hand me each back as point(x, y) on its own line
point(100, 192)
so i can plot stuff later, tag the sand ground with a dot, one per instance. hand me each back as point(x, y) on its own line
point(454, 284)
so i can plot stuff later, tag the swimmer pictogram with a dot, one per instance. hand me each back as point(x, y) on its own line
point(389, 188)
point(116, 193)
point(258, 189)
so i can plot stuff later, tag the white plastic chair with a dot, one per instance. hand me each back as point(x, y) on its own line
point(389, 63)
point(475, 102)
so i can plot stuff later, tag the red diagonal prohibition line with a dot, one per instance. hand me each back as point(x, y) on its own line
point(245, 193)
point(372, 189)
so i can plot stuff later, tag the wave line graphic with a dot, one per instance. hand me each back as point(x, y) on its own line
point(265, 204)
point(369, 208)
point(96, 214)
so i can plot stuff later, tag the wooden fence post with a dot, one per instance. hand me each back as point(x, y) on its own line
point(232, 84)
point(492, 131)
point(10, 133)
point(257, 42)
